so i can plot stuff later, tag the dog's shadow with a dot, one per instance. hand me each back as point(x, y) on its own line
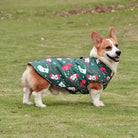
point(68, 103)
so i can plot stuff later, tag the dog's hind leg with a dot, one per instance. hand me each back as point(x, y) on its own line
point(27, 95)
point(27, 89)
point(39, 85)
point(34, 84)
point(38, 98)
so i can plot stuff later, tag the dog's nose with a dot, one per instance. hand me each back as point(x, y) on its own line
point(118, 52)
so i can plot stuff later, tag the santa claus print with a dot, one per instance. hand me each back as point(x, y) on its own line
point(73, 77)
point(87, 60)
point(55, 77)
point(48, 60)
point(61, 84)
point(92, 78)
point(42, 69)
point(82, 70)
point(67, 67)
point(72, 88)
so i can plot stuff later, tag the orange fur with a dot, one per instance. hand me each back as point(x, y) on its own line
point(37, 82)
point(101, 50)
point(103, 44)
point(95, 85)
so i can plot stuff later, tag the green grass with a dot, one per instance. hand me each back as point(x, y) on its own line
point(22, 25)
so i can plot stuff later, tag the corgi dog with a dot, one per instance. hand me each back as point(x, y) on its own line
point(85, 75)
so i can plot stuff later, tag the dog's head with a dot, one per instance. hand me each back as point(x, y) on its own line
point(107, 49)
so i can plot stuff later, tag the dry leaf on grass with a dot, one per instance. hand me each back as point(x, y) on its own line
point(26, 115)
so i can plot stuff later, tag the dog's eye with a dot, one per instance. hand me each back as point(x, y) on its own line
point(116, 45)
point(108, 47)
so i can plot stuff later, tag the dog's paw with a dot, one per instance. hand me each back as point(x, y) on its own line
point(29, 103)
point(98, 104)
point(41, 105)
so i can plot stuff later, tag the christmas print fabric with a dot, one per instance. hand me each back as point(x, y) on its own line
point(73, 75)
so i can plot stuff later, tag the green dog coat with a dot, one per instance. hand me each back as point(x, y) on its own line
point(73, 75)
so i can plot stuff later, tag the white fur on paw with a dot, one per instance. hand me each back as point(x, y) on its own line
point(98, 103)
point(42, 105)
point(29, 103)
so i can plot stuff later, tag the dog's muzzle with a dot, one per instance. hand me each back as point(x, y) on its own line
point(116, 58)
point(118, 53)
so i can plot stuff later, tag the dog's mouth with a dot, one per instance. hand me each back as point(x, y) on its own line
point(116, 59)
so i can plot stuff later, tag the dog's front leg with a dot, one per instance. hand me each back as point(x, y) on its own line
point(95, 89)
point(95, 97)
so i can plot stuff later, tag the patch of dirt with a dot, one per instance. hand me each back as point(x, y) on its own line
point(98, 9)
point(93, 11)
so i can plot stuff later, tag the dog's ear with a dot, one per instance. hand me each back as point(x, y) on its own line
point(96, 39)
point(112, 33)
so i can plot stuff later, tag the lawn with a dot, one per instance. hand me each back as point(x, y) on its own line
point(32, 30)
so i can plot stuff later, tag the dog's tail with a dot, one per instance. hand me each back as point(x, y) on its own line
point(25, 76)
